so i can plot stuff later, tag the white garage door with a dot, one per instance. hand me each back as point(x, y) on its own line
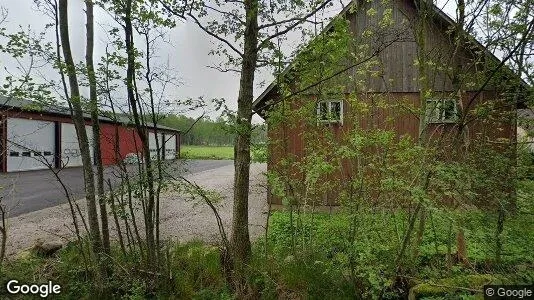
point(152, 144)
point(70, 149)
point(170, 146)
point(30, 144)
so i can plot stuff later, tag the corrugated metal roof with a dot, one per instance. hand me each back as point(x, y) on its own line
point(33, 106)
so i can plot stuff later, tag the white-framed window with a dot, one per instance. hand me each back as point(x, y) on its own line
point(330, 111)
point(441, 111)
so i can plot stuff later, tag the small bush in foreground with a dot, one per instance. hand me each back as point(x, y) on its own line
point(312, 256)
point(195, 274)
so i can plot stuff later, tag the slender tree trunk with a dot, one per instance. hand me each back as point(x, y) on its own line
point(160, 154)
point(96, 125)
point(143, 134)
point(462, 136)
point(74, 208)
point(79, 124)
point(3, 233)
point(240, 235)
point(461, 245)
point(420, 233)
point(116, 218)
point(498, 234)
point(421, 34)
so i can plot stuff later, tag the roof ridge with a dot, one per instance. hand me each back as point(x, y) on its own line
point(24, 104)
point(438, 12)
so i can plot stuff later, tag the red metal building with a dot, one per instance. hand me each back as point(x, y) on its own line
point(34, 138)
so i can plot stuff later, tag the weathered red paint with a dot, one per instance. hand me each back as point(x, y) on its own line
point(128, 142)
point(128, 139)
point(287, 139)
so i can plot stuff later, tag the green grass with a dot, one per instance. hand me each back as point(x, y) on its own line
point(194, 269)
point(314, 256)
point(207, 152)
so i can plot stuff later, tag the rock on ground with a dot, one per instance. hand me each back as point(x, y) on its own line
point(182, 219)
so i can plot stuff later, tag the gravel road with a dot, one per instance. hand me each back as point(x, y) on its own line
point(182, 219)
point(24, 192)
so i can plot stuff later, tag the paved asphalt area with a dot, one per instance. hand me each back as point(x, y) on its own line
point(28, 191)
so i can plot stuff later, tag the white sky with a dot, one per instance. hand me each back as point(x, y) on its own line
point(187, 52)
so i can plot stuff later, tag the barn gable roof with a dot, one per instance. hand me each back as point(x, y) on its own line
point(260, 104)
point(270, 87)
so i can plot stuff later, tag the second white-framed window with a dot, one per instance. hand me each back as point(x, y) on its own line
point(441, 111)
point(330, 111)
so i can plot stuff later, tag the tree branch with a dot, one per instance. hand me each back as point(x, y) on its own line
point(374, 54)
point(199, 24)
point(292, 26)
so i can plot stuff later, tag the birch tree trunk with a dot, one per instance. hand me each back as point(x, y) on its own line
point(143, 134)
point(83, 142)
point(96, 125)
point(79, 124)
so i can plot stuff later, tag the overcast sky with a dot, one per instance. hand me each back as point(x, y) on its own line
point(187, 52)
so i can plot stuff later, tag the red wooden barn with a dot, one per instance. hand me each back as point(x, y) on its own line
point(379, 83)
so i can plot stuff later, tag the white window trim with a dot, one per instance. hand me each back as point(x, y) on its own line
point(436, 115)
point(329, 106)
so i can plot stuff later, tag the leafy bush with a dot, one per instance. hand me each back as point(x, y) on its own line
point(316, 250)
point(320, 256)
point(195, 273)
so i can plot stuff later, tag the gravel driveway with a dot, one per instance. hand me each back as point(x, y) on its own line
point(182, 219)
point(24, 192)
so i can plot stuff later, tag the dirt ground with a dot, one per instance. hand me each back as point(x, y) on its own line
point(182, 219)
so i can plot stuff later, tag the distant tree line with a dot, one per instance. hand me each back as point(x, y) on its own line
point(209, 132)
